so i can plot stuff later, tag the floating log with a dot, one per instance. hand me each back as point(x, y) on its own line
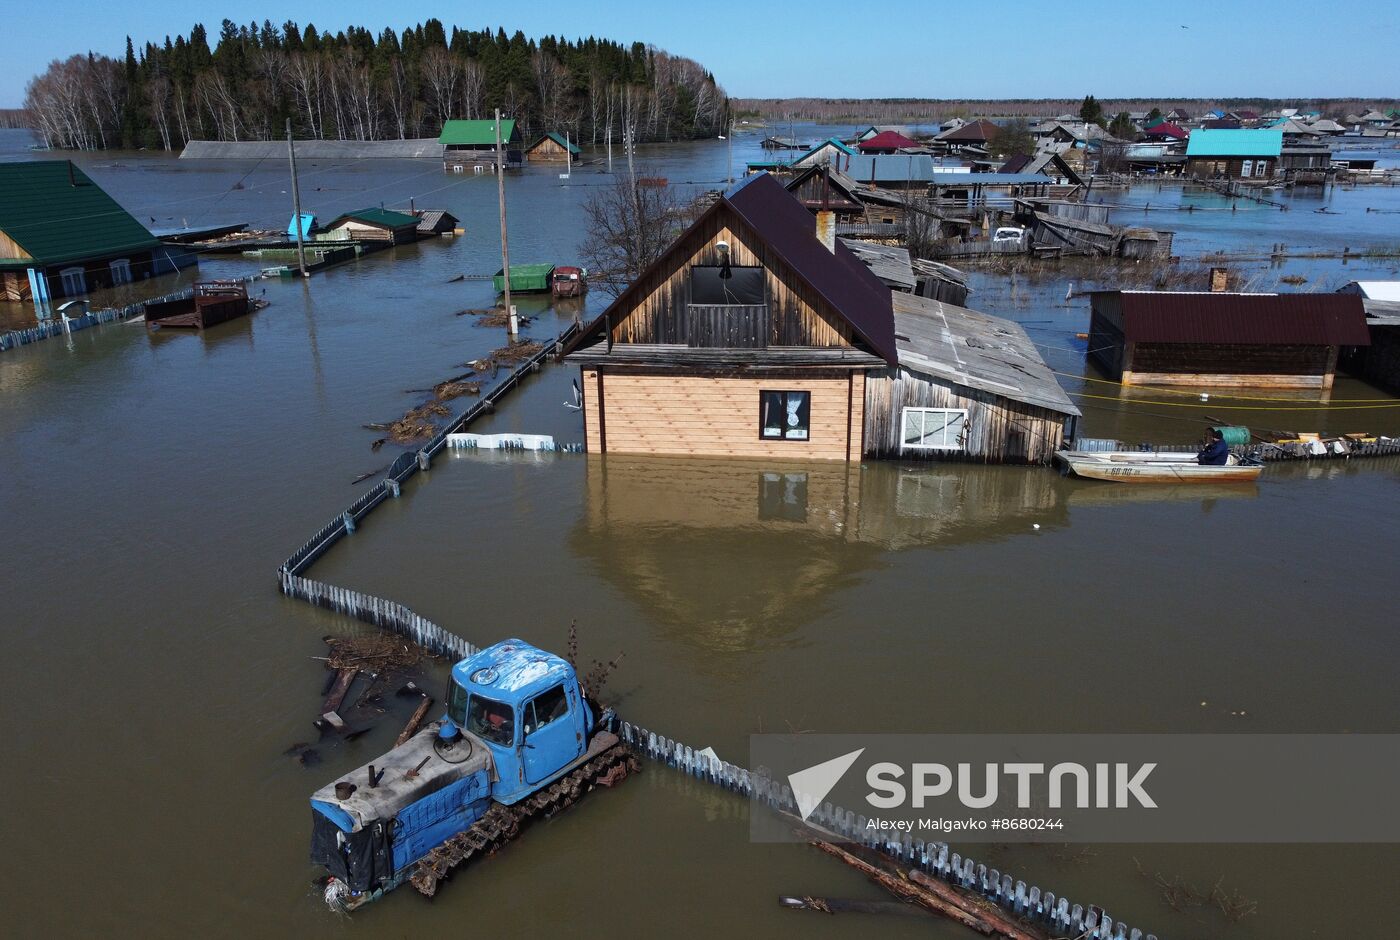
point(412, 727)
point(336, 696)
point(909, 892)
point(850, 906)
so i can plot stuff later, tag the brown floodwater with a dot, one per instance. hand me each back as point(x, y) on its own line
point(154, 677)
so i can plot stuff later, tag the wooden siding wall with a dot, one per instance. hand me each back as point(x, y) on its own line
point(1230, 365)
point(815, 188)
point(1105, 343)
point(1378, 363)
point(999, 430)
point(9, 248)
point(547, 151)
point(717, 416)
point(797, 315)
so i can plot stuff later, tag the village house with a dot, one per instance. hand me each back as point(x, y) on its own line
point(1223, 339)
point(472, 143)
point(820, 187)
point(886, 142)
point(435, 222)
point(830, 152)
point(972, 136)
point(552, 147)
point(758, 334)
point(373, 225)
point(61, 235)
point(747, 337)
point(1233, 154)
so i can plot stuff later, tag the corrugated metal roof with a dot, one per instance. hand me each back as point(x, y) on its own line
point(988, 179)
point(856, 294)
point(57, 217)
point(1235, 143)
point(1235, 319)
point(973, 132)
point(976, 350)
point(480, 133)
point(891, 168)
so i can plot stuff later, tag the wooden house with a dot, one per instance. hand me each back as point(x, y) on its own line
point(820, 187)
point(967, 386)
point(1233, 154)
point(435, 222)
point(1378, 363)
point(473, 143)
point(374, 225)
point(830, 152)
point(749, 336)
point(61, 235)
point(886, 142)
point(553, 147)
point(1223, 339)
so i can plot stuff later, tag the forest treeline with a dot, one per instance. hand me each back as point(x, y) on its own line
point(896, 110)
point(354, 85)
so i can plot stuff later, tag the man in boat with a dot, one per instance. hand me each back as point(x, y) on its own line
point(1216, 453)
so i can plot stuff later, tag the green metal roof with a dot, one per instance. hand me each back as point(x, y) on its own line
point(384, 217)
point(56, 214)
point(475, 133)
point(559, 139)
point(1230, 143)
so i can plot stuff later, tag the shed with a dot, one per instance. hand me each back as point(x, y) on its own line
point(1223, 339)
point(62, 235)
point(552, 147)
point(435, 222)
point(967, 386)
point(889, 263)
point(376, 225)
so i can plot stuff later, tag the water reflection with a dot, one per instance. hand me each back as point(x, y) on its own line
point(738, 555)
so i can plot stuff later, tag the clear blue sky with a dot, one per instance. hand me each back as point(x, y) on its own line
point(851, 49)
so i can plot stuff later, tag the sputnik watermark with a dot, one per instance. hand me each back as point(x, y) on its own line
point(1089, 788)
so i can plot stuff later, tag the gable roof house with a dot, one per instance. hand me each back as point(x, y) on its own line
point(759, 334)
point(821, 187)
point(1234, 154)
point(830, 151)
point(886, 142)
point(748, 337)
point(552, 147)
point(61, 235)
point(374, 225)
point(473, 143)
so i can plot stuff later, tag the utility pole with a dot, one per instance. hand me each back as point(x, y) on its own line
point(729, 166)
point(296, 201)
point(511, 327)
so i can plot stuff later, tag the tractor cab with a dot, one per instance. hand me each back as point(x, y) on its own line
point(525, 705)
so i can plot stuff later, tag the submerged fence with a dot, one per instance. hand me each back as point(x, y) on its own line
point(57, 327)
point(934, 858)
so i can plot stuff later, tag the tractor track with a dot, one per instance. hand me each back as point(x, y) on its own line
point(503, 823)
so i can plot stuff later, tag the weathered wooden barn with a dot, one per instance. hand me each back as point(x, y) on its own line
point(552, 147)
point(61, 235)
point(968, 386)
point(748, 337)
point(374, 225)
point(820, 187)
point(1223, 339)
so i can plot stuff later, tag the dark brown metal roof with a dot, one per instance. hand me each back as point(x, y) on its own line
point(857, 295)
point(1226, 318)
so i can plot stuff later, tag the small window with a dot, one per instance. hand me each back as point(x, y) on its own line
point(934, 429)
point(121, 271)
point(544, 708)
point(784, 416)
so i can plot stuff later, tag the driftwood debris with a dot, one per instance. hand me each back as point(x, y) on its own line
point(850, 906)
point(917, 888)
point(410, 729)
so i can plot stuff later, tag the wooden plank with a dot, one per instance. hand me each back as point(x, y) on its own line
point(410, 729)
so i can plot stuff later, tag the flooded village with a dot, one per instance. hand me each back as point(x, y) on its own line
point(538, 459)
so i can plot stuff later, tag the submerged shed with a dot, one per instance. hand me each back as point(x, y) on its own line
point(967, 386)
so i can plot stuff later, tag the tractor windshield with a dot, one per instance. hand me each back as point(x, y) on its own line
point(490, 720)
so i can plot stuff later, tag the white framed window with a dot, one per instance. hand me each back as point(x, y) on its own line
point(121, 271)
point(74, 281)
point(933, 429)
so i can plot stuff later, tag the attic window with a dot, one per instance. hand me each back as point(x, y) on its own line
point(726, 286)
